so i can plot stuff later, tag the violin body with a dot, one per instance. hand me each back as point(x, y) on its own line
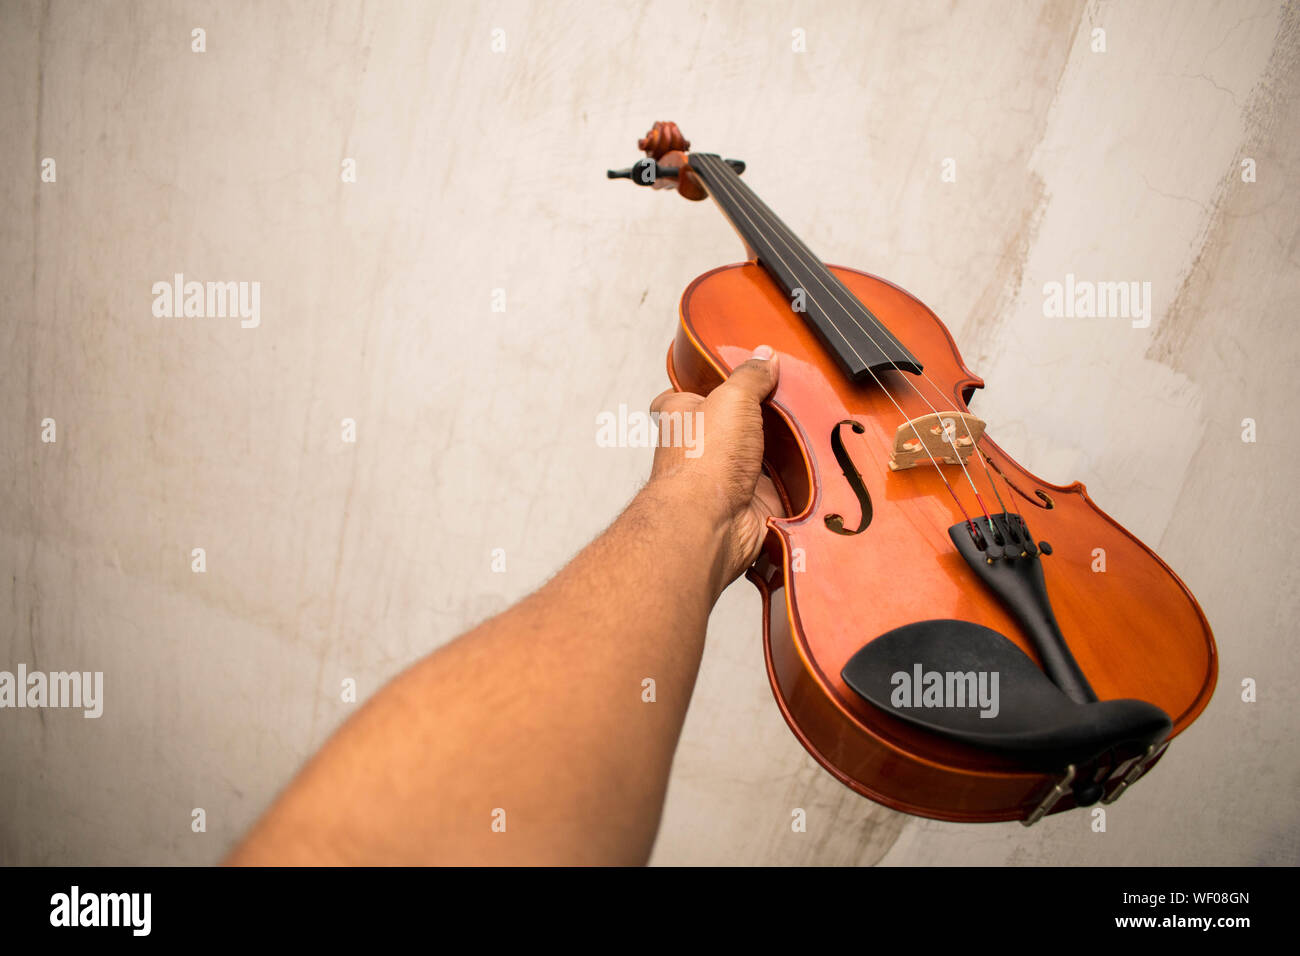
point(869, 550)
point(1134, 628)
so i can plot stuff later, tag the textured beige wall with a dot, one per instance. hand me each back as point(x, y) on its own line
point(481, 170)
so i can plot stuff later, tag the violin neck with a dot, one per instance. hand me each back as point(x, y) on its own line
point(857, 339)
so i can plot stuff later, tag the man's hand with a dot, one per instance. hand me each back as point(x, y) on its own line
point(721, 471)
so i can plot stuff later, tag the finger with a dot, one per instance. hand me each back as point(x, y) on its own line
point(755, 378)
point(657, 403)
point(671, 400)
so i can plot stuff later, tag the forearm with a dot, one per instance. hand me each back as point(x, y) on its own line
point(538, 713)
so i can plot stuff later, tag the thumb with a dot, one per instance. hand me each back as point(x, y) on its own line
point(755, 378)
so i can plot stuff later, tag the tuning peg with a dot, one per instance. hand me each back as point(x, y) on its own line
point(644, 172)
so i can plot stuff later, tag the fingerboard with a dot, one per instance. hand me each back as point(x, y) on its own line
point(846, 327)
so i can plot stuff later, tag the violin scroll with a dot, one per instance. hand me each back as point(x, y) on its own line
point(666, 164)
point(663, 138)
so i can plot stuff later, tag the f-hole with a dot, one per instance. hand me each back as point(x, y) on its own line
point(851, 475)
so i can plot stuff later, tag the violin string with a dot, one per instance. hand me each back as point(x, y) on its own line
point(797, 245)
point(1011, 493)
point(792, 246)
point(871, 371)
point(984, 461)
point(979, 453)
point(793, 243)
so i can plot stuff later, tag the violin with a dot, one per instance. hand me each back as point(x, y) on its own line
point(946, 633)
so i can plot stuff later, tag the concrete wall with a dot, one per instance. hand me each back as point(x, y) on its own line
point(480, 170)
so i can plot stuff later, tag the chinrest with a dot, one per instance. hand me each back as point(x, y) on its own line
point(971, 684)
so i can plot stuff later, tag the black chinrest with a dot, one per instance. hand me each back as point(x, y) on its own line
point(1029, 718)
